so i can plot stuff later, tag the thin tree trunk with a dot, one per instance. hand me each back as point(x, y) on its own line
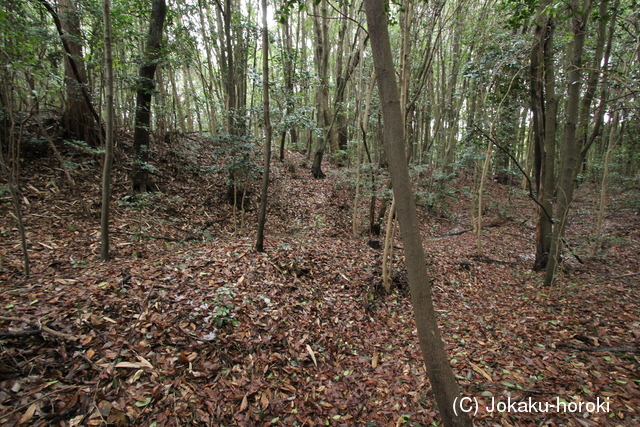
point(359, 120)
point(187, 99)
point(179, 116)
point(603, 185)
point(287, 53)
point(387, 255)
point(483, 180)
point(207, 83)
point(570, 149)
point(594, 74)
point(544, 106)
point(146, 84)
point(267, 128)
point(322, 61)
point(109, 119)
point(438, 369)
point(18, 211)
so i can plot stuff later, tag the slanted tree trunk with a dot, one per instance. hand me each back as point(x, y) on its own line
point(438, 369)
point(109, 119)
point(267, 129)
point(79, 105)
point(146, 86)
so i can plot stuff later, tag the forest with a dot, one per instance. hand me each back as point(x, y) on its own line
point(327, 212)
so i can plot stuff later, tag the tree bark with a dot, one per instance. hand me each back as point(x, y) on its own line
point(109, 119)
point(440, 373)
point(544, 105)
point(17, 207)
point(322, 94)
point(78, 121)
point(146, 86)
point(570, 149)
point(267, 130)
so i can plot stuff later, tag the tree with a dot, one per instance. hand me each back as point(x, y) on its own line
point(287, 70)
point(267, 129)
point(440, 373)
point(80, 115)
point(322, 94)
point(109, 120)
point(78, 121)
point(571, 151)
point(146, 86)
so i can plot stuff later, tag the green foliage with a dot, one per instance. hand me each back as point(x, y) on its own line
point(221, 309)
point(154, 200)
point(239, 154)
point(84, 147)
point(520, 12)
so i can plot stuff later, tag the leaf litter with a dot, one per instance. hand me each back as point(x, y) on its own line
point(188, 325)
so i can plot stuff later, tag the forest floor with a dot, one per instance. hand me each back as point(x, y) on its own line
point(188, 325)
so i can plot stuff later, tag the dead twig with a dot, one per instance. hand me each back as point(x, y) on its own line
point(38, 329)
point(622, 276)
point(599, 349)
point(165, 238)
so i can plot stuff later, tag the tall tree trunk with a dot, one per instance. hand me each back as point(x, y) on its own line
point(570, 148)
point(603, 186)
point(267, 129)
point(594, 74)
point(227, 59)
point(207, 81)
point(544, 105)
point(146, 85)
point(288, 66)
point(440, 373)
point(322, 94)
point(109, 120)
point(178, 112)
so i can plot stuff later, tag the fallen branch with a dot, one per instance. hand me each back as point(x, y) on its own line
point(622, 276)
point(496, 223)
point(20, 408)
point(530, 185)
point(599, 349)
point(488, 260)
point(571, 251)
point(38, 330)
point(17, 334)
point(168, 239)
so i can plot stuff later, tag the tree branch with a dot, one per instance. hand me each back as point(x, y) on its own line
point(530, 186)
point(72, 62)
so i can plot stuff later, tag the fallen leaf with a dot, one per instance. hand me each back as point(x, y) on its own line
point(26, 417)
point(481, 371)
point(244, 404)
point(313, 356)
